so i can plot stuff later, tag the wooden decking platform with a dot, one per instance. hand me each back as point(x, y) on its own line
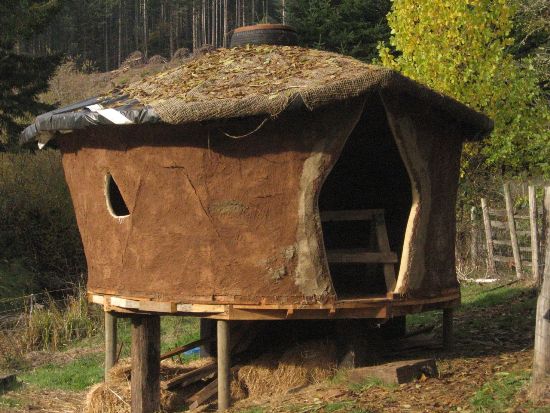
point(380, 307)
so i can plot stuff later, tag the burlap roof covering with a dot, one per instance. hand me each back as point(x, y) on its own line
point(265, 80)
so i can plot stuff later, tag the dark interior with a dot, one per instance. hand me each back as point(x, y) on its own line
point(369, 174)
point(115, 200)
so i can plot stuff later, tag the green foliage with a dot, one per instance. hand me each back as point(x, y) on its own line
point(37, 223)
point(460, 48)
point(22, 18)
point(532, 37)
point(352, 27)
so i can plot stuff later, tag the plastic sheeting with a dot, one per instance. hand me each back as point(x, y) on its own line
point(118, 110)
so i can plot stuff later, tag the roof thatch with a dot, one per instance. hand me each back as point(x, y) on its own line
point(250, 81)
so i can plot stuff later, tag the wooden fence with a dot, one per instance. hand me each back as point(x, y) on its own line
point(513, 235)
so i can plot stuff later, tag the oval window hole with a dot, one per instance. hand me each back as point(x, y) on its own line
point(115, 201)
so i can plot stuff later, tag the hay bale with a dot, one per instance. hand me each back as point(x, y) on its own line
point(181, 54)
point(113, 396)
point(157, 60)
point(204, 49)
point(304, 364)
point(134, 59)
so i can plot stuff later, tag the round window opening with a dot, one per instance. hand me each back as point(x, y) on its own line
point(115, 202)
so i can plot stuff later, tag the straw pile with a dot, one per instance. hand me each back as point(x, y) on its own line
point(246, 71)
point(113, 396)
point(307, 363)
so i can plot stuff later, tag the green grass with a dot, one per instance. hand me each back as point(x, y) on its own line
point(88, 370)
point(175, 331)
point(369, 383)
point(76, 375)
point(10, 402)
point(337, 406)
point(477, 297)
point(497, 395)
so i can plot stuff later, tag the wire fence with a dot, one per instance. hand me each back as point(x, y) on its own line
point(13, 309)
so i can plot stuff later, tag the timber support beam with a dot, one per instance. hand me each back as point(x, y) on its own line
point(145, 381)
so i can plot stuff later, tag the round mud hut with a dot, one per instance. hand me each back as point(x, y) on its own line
point(264, 183)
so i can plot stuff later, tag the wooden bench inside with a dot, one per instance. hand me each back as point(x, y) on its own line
point(383, 256)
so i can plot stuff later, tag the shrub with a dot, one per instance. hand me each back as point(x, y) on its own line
point(37, 222)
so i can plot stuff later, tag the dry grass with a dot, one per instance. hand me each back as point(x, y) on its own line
point(70, 85)
point(246, 71)
point(113, 396)
point(304, 364)
point(50, 327)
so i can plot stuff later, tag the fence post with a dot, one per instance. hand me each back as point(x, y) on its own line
point(541, 361)
point(473, 234)
point(535, 246)
point(488, 237)
point(512, 228)
point(31, 309)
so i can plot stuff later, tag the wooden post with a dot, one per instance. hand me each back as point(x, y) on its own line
point(534, 235)
point(110, 341)
point(448, 314)
point(488, 237)
point(541, 362)
point(512, 228)
point(145, 386)
point(223, 365)
point(473, 241)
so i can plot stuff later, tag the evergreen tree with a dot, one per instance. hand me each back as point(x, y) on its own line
point(352, 27)
point(22, 77)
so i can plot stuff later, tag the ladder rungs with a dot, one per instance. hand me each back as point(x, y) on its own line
point(353, 256)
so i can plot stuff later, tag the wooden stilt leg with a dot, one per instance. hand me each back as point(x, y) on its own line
point(145, 386)
point(448, 328)
point(223, 365)
point(110, 341)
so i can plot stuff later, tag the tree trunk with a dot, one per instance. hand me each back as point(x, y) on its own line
point(203, 22)
point(145, 34)
point(541, 363)
point(213, 23)
point(106, 39)
point(194, 25)
point(119, 32)
point(171, 30)
point(224, 23)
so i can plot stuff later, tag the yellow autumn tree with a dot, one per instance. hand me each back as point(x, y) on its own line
point(460, 48)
